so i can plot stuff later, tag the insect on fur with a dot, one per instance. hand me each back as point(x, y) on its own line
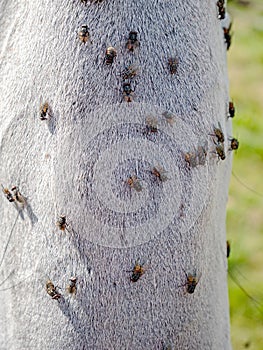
point(52, 290)
point(44, 111)
point(234, 144)
point(134, 182)
point(132, 42)
point(221, 9)
point(228, 36)
point(160, 173)
point(71, 288)
point(128, 92)
point(8, 194)
point(219, 150)
point(62, 223)
point(172, 65)
point(197, 157)
point(169, 117)
point(151, 124)
point(231, 109)
point(191, 159)
point(129, 72)
point(191, 282)
point(218, 133)
point(18, 196)
point(84, 35)
point(137, 272)
point(110, 55)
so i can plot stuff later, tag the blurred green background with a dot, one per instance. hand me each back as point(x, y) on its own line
point(245, 208)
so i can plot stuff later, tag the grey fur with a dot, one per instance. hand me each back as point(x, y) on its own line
point(77, 162)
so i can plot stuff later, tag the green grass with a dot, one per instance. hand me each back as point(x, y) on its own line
point(245, 208)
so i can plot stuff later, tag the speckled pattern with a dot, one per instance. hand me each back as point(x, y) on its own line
point(77, 164)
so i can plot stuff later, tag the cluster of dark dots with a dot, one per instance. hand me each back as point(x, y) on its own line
point(193, 158)
point(191, 279)
point(221, 15)
point(198, 156)
point(15, 197)
point(221, 9)
point(152, 122)
point(131, 71)
point(53, 292)
point(62, 224)
point(233, 142)
point(158, 172)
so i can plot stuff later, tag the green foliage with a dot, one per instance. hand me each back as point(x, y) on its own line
point(244, 216)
